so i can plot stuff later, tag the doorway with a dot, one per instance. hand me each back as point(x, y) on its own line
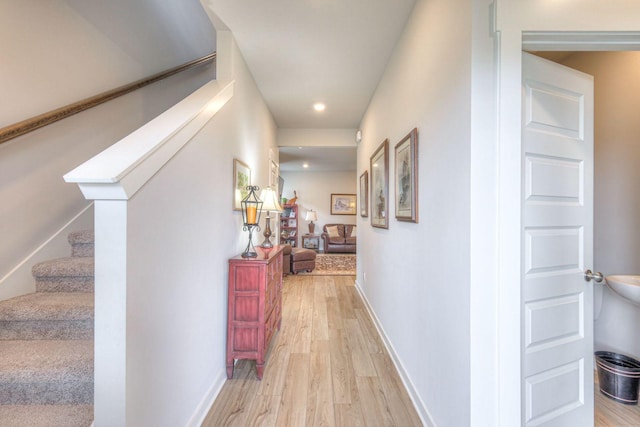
point(509, 152)
point(557, 243)
point(616, 204)
point(313, 174)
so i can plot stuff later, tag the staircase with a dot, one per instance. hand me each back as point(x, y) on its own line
point(46, 344)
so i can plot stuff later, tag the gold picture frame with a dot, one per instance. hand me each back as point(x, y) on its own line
point(406, 178)
point(364, 194)
point(379, 167)
point(343, 204)
point(241, 179)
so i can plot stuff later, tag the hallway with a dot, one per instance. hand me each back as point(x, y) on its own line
point(326, 366)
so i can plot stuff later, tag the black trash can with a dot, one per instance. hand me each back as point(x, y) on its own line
point(619, 376)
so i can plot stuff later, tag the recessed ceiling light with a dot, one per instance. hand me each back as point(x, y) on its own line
point(319, 106)
point(305, 165)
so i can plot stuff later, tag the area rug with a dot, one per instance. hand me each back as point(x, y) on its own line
point(334, 265)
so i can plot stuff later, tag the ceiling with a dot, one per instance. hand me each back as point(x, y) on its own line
point(305, 51)
point(318, 159)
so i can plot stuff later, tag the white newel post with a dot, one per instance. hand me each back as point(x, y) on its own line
point(111, 179)
point(110, 337)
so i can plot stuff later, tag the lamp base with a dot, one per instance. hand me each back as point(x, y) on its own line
point(312, 227)
point(267, 233)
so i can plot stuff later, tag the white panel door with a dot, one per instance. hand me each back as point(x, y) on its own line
point(557, 236)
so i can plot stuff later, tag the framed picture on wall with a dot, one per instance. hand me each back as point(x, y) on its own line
point(379, 167)
point(406, 178)
point(274, 173)
point(241, 179)
point(364, 194)
point(343, 204)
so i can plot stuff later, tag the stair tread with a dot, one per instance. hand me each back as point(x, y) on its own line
point(46, 415)
point(65, 267)
point(46, 361)
point(48, 306)
point(81, 236)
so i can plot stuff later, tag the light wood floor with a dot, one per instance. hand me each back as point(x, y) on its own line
point(609, 413)
point(327, 367)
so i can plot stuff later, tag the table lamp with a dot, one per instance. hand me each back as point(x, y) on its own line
point(251, 207)
point(311, 216)
point(270, 204)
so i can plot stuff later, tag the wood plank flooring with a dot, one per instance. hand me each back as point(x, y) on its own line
point(326, 367)
point(609, 413)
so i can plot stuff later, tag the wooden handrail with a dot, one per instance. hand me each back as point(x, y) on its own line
point(28, 125)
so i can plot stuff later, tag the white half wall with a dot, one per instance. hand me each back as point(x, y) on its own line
point(178, 266)
point(162, 250)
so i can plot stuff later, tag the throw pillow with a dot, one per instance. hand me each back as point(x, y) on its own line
point(353, 231)
point(332, 230)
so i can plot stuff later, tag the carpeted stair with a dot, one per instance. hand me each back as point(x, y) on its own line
point(46, 344)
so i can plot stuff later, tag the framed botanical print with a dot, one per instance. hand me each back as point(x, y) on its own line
point(364, 194)
point(241, 179)
point(379, 167)
point(343, 204)
point(406, 178)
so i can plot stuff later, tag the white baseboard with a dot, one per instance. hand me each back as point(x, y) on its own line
point(207, 401)
point(418, 404)
point(19, 280)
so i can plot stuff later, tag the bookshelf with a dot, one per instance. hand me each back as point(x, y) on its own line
point(289, 225)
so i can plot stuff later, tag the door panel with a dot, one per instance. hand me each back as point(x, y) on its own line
point(557, 239)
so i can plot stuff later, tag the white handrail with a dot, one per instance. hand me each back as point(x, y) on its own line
point(118, 172)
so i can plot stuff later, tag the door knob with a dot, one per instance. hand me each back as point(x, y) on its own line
point(589, 275)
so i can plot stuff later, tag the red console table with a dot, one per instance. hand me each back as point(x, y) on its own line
point(255, 306)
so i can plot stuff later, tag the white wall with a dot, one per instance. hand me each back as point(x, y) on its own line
point(316, 137)
point(182, 231)
point(58, 56)
point(617, 155)
point(62, 51)
point(314, 191)
point(483, 357)
point(617, 201)
point(417, 275)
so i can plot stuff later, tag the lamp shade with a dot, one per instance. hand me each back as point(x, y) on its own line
point(311, 216)
point(270, 200)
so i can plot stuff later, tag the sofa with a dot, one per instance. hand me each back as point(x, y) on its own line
point(339, 238)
